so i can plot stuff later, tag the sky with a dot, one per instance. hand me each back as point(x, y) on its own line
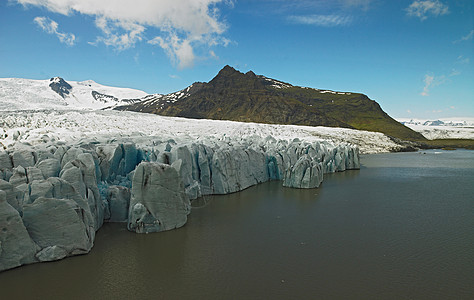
point(414, 57)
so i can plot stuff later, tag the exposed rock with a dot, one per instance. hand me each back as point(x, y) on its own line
point(235, 96)
point(60, 86)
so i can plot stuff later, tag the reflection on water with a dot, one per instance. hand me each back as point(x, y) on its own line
point(399, 228)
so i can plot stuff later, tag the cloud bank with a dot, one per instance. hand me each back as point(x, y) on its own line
point(51, 27)
point(182, 25)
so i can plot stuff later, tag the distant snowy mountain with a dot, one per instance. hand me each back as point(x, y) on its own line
point(56, 93)
point(452, 122)
point(445, 128)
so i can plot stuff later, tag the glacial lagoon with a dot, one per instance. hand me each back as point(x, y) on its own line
point(401, 227)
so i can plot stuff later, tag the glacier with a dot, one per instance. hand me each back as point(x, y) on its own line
point(63, 174)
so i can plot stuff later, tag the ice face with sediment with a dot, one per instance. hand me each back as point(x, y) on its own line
point(65, 175)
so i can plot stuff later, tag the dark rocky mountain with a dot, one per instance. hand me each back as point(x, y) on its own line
point(103, 97)
point(236, 96)
point(60, 86)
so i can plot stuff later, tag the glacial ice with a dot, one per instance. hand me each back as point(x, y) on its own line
point(158, 201)
point(16, 246)
point(54, 196)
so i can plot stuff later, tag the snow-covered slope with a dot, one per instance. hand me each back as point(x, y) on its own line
point(446, 128)
point(72, 127)
point(56, 93)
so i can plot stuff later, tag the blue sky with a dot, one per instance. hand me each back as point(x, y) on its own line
point(414, 57)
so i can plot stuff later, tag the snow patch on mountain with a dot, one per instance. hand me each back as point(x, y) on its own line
point(160, 101)
point(276, 83)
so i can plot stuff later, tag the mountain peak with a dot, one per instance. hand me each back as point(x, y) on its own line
point(57, 79)
point(251, 74)
point(229, 77)
point(227, 71)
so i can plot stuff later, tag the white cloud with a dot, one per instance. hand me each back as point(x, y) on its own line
point(178, 50)
point(121, 35)
point(423, 8)
point(463, 60)
point(184, 24)
point(321, 20)
point(51, 27)
point(213, 54)
point(428, 82)
point(454, 72)
point(432, 81)
point(469, 36)
point(282, 6)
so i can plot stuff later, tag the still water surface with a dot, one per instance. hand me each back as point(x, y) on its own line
point(400, 228)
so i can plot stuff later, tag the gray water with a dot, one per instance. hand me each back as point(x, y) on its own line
point(400, 228)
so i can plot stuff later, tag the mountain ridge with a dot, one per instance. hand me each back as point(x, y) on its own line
point(233, 95)
point(230, 95)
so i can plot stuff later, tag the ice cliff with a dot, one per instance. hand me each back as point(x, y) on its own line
point(54, 197)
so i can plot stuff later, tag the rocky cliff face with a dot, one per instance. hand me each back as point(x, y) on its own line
point(54, 197)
